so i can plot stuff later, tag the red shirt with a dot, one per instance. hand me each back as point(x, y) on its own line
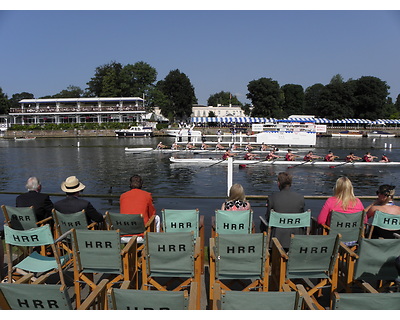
point(137, 201)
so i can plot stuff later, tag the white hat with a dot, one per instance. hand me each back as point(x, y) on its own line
point(72, 184)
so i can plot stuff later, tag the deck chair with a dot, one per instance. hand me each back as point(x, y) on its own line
point(309, 257)
point(22, 218)
point(126, 299)
point(232, 222)
point(350, 226)
point(383, 225)
point(239, 262)
point(129, 224)
point(171, 262)
point(282, 225)
point(25, 296)
point(34, 262)
point(366, 301)
point(273, 300)
point(65, 222)
point(174, 220)
point(373, 264)
point(98, 252)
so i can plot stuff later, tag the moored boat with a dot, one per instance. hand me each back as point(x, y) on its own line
point(380, 134)
point(24, 138)
point(135, 131)
point(348, 133)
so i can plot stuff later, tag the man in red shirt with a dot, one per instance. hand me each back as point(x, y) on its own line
point(137, 201)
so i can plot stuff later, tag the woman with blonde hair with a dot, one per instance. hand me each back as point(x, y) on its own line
point(343, 200)
point(236, 200)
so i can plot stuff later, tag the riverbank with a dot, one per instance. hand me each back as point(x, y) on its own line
point(74, 133)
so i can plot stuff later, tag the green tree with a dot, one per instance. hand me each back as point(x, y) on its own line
point(179, 94)
point(293, 99)
point(336, 100)
point(17, 97)
point(266, 97)
point(106, 81)
point(312, 98)
point(137, 79)
point(70, 92)
point(224, 99)
point(4, 103)
point(370, 98)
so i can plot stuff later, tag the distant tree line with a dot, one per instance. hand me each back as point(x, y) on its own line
point(366, 97)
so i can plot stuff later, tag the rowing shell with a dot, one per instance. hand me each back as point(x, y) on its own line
point(206, 161)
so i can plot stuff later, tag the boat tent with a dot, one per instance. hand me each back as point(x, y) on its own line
point(316, 120)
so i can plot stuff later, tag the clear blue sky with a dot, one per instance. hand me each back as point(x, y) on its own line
point(43, 52)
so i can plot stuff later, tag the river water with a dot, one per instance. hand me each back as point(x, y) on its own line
point(103, 165)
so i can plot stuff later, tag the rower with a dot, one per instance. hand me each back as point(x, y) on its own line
point(248, 147)
point(368, 157)
point(227, 154)
point(189, 146)
point(290, 156)
point(330, 156)
point(204, 146)
point(219, 146)
point(351, 157)
point(175, 146)
point(271, 155)
point(384, 158)
point(249, 156)
point(161, 146)
point(310, 156)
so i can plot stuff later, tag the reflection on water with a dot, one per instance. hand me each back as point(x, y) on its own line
point(102, 163)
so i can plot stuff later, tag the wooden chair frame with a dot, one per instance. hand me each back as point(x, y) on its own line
point(128, 259)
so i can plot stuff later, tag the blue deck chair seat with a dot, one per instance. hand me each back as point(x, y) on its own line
point(34, 262)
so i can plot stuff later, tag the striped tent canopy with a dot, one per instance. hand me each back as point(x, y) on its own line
point(316, 120)
point(231, 120)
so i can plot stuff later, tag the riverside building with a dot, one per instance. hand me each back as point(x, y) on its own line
point(78, 110)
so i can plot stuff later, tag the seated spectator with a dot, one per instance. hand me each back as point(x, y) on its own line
point(236, 200)
point(41, 203)
point(342, 201)
point(383, 203)
point(73, 203)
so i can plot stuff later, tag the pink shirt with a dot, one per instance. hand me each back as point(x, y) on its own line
point(332, 204)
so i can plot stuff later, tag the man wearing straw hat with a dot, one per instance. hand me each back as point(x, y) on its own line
point(72, 203)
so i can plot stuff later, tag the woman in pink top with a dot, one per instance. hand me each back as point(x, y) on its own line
point(342, 201)
point(237, 199)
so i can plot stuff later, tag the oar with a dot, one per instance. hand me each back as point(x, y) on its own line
point(300, 164)
point(216, 163)
point(264, 160)
point(341, 164)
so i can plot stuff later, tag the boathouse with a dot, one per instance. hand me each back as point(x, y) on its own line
point(78, 110)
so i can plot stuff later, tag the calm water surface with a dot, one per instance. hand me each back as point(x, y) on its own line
point(102, 163)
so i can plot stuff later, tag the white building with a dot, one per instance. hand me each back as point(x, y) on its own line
point(219, 111)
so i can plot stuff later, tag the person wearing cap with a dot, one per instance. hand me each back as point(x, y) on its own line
point(72, 203)
point(384, 158)
point(41, 203)
point(136, 200)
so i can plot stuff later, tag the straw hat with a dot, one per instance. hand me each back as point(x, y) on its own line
point(72, 184)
